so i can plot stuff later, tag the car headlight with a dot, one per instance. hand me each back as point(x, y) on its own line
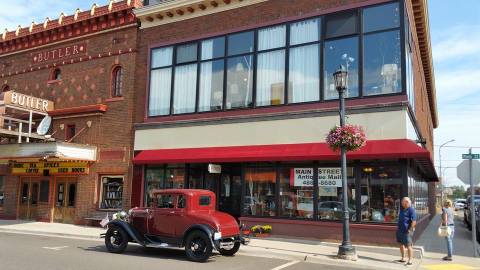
point(217, 236)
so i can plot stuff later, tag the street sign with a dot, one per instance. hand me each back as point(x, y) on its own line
point(471, 156)
point(463, 171)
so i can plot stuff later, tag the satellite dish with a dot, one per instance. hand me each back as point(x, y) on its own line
point(44, 126)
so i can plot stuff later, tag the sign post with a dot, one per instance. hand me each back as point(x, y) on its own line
point(473, 173)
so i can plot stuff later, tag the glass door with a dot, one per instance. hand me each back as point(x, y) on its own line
point(230, 194)
point(29, 195)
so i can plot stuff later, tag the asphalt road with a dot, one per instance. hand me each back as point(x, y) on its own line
point(34, 252)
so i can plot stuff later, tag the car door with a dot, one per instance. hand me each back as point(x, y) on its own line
point(160, 221)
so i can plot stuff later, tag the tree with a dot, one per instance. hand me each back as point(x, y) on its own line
point(459, 192)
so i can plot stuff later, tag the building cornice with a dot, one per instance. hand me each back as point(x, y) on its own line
point(115, 14)
point(172, 11)
point(420, 14)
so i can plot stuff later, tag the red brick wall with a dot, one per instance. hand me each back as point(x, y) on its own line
point(86, 82)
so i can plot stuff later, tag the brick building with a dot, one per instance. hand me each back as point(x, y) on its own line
point(83, 65)
point(238, 97)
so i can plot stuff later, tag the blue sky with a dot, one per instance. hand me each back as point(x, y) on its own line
point(455, 33)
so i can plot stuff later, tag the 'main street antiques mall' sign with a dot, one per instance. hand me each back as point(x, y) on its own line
point(54, 168)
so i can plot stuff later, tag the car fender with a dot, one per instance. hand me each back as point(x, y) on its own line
point(201, 227)
point(131, 231)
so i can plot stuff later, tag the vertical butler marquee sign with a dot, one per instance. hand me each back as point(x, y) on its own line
point(26, 102)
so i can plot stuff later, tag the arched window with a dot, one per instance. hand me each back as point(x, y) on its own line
point(117, 78)
point(56, 74)
point(5, 88)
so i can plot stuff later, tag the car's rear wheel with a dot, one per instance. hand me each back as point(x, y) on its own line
point(116, 240)
point(230, 252)
point(198, 246)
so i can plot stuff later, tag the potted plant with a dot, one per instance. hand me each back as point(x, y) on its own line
point(261, 230)
point(350, 136)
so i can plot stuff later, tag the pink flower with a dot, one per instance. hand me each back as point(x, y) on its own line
point(352, 137)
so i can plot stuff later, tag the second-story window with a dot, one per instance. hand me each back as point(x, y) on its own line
point(281, 64)
point(70, 132)
point(117, 82)
point(56, 74)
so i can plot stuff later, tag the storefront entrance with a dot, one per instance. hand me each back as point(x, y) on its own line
point(65, 200)
point(29, 198)
point(227, 187)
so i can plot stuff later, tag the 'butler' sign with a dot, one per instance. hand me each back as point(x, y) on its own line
point(59, 53)
point(15, 99)
point(327, 177)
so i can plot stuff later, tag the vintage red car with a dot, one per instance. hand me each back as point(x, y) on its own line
point(184, 218)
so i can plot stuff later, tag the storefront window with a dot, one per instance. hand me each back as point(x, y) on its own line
point(111, 193)
point(175, 178)
point(260, 192)
point(381, 193)
point(2, 190)
point(330, 199)
point(154, 177)
point(418, 193)
point(296, 192)
point(44, 191)
point(195, 178)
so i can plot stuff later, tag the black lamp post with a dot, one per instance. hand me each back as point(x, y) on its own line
point(346, 250)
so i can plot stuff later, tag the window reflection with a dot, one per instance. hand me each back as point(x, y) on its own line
point(330, 194)
point(382, 63)
point(341, 52)
point(239, 82)
point(296, 197)
point(381, 193)
point(260, 192)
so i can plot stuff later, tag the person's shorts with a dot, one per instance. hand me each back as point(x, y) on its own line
point(404, 238)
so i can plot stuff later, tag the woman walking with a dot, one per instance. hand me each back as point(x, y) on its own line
point(448, 220)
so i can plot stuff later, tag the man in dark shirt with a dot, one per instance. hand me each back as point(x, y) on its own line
point(407, 220)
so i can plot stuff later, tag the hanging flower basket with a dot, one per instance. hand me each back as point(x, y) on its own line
point(352, 137)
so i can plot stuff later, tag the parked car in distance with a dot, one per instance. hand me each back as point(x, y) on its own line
point(334, 210)
point(183, 218)
point(459, 204)
point(467, 212)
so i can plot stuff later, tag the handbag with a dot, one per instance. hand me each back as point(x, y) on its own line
point(444, 231)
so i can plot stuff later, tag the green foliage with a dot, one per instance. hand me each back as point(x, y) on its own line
point(459, 192)
point(261, 229)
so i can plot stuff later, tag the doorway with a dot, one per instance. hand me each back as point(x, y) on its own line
point(65, 200)
point(29, 198)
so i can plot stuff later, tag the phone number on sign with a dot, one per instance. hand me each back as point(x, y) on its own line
point(327, 183)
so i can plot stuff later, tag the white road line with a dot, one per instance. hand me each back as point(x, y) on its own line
point(55, 248)
point(285, 265)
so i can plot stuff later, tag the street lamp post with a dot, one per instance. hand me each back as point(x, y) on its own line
point(346, 250)
point(440, 169)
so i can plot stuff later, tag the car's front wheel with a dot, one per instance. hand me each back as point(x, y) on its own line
point(116, 240)
point(198, 246)
point(230, 252)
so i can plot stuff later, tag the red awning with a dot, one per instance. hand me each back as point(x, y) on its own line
point(375, 149)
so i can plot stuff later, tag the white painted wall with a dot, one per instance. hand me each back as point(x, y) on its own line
point(378, 126)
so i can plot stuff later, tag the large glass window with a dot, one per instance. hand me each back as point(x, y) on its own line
point(330, 199)
point(271, 78)
point(260, 191)
point(211, 86)
point(240, 82)
point(382, 63)
point(341, 52)
point(240, 43)
point(252, 69)
point(381, 188)
point(304, 74)
point(296, 192)
point(154, 179)
point(381, 17)
point(305, 31)
point(111, 192)
point(175, 178)
point(44, 191)
point(185, 89)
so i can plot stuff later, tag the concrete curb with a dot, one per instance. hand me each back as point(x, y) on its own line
point(49, 233)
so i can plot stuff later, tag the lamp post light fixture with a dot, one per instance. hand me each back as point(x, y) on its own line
point(345, 250)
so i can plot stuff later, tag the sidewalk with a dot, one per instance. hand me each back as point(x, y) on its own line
point(435, 248)
point(307, 250)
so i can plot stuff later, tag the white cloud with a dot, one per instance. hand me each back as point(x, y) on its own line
point(457, 42)
point(454, 84)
